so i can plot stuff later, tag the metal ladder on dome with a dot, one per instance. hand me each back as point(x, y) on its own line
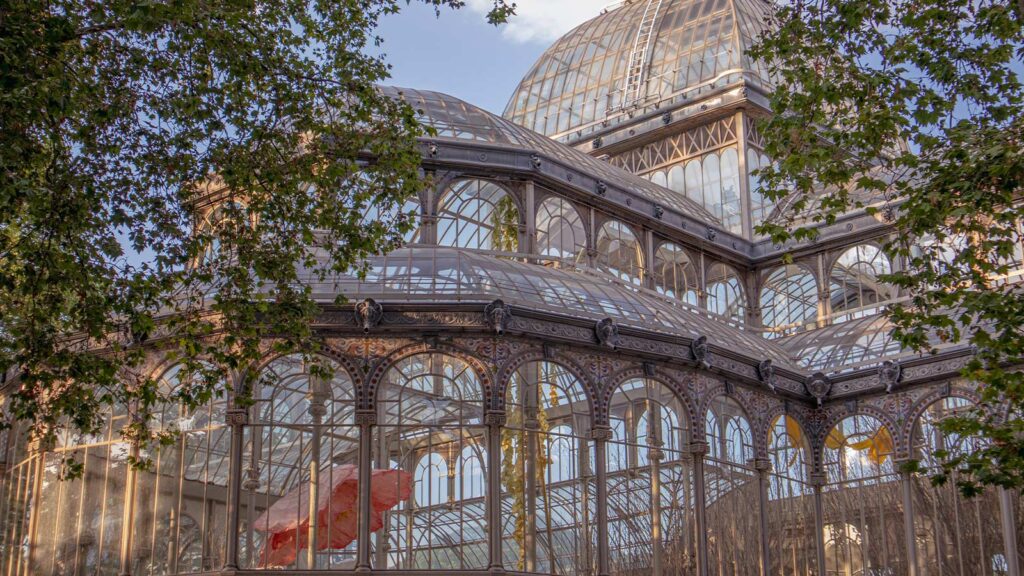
point(633, 92)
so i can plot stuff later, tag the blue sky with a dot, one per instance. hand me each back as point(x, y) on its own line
point(460, 54)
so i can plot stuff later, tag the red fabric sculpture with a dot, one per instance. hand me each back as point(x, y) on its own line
point(286, 523)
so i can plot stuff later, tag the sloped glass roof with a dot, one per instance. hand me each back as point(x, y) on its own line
point(850, 345)
point(458, 120)
point(696, 47)
point(429, 273)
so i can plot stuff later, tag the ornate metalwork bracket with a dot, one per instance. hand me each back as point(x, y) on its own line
point(607, 333)
point(368, 314)
point(498, 316)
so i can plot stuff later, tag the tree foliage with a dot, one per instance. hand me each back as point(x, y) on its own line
point(126, 125)
point(911, 110)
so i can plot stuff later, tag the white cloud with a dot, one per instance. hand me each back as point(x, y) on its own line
point(543, 20)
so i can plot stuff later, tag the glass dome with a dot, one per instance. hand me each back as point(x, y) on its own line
point(643, 52)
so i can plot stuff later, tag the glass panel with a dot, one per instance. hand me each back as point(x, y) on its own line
point(674, 273)
point(303, 423)
point(789, 300)
point(431, 421)
point(619, 251)
point(560, 231)
point(855, 289)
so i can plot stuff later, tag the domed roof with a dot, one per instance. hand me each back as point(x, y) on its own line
point(456, 119)
point(643, 52)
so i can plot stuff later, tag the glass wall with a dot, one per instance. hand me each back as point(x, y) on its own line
point(731, 487)
point(430, 429)
point(180, 502)
point(863, 520)
point(650, 482)
point(854, 285)
point(791, 532)
point(547, 473)
point(79, 524)
point(957, 536)
point(711, 180)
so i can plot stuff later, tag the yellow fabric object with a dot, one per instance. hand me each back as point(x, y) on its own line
point(879, 446)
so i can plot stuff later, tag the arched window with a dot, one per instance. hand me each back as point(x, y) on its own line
point(858, 447)
point(949, 521)
point(547, 472)
point(410, 212)
point(788, 485)
point(649, 505)
point(855, 288)
point(728, 428)
point(712, 181)
point(478, 214)
point(430, 430)
point(677, 179)
point(674, 273)
point(730, 483)
point(731, 210)
point(725, 293)
point(694, 179)
point(789, 300)
point(760, 207)
point(303, 421)
point(431, 481)
point(619, 252)
point(659, 178)
point(560, 231)
point(858, 462)
point(470, 473)
point(218, 223)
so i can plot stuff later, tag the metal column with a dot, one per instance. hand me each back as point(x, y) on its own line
point(698, 450)
point(764, 468)
point(237, 418)
point(601, 435)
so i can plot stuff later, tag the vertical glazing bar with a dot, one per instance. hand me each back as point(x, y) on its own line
point(530, 209)
point(317, 410)
point(698, 450)
point(495, 421)
point(365, 419)
point(907, 490)
point(128, 521)
point(531, 426)
point(818, 482)
point(38, 452)
point(236, 419)
point(601, 435)
point(1006, 512)
point(764, 468)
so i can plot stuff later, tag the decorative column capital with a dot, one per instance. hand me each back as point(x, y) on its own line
point(495, 418)
point(817, 479)
point(237, 416)
point(601, 433)
point(762, 465)
point(699, 448)
point(366, 417)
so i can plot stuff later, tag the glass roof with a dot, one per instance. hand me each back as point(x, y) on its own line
point(430, 273)
point(850, 345)
point(458, 120)
point(697, 46)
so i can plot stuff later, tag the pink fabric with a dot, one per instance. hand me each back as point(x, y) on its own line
point(286, 523)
